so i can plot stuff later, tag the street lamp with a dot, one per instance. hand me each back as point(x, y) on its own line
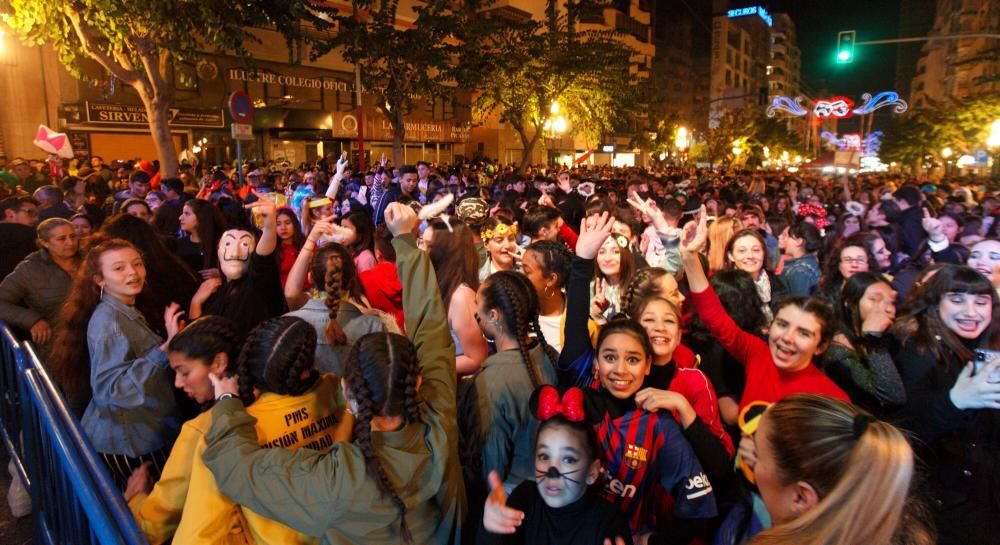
point(993, 142)
point(946, 152)
point(681, 140)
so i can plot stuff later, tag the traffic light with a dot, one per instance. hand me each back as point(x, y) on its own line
point(845, 46)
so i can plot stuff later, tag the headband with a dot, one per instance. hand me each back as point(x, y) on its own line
point(502, 229)
point(860, 424)
point(620, 240)
point(320, 202)
point(570, 406)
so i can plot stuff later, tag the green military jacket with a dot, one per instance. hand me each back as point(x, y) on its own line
point(329, 494)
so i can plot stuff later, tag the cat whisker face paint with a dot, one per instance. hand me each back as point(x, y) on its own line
point(562, 466)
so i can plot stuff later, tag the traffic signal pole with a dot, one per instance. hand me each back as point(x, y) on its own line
point(928, 39)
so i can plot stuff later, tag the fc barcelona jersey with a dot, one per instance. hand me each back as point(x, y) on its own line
point(640, 449)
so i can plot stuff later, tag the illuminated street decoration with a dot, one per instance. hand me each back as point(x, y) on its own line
point(881, 100)
point(838, 107)
point(869, 145)
point(788, 105)
point(752, 10)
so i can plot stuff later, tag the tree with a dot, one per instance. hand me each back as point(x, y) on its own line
point(735, 124)
point(533, 65)
point(139, 41)
point(962, 126)
point(400, 64)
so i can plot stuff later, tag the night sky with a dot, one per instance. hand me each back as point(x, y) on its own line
point(818, 22)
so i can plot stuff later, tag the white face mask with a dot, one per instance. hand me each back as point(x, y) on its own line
point(235, 247)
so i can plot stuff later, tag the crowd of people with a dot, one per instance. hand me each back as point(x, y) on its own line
point(466, 354)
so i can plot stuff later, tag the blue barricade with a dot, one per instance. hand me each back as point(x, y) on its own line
point(73, 498)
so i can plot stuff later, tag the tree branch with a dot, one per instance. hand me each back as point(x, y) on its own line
point(127, 76)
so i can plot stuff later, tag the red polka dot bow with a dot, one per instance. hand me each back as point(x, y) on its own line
point(570, 406)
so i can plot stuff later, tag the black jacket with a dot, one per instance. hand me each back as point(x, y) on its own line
point(959, 449)
point(16, 242)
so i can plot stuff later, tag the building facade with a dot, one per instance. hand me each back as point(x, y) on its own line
point(682, 35)
point(496, 140)
point(303, 110)
point(741, 52)
point(784, 70)
point(958, 69)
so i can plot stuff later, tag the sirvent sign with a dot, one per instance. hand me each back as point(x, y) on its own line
point(327, 84)
point(752, 10)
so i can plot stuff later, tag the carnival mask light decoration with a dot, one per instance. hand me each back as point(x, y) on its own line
point(235, 248)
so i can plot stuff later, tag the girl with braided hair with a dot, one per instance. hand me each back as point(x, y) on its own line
point(337, 308)
point(400, 479)
point(508, 315)
point(295, 407)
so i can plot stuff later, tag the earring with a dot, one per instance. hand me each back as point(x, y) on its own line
point(102, 292)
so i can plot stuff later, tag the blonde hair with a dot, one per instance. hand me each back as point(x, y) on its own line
point(719, 233)
point(861, 469)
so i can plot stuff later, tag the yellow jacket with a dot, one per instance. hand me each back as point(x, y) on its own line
point(186, 503)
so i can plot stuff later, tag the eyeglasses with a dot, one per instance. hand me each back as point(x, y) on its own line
point(854, 260)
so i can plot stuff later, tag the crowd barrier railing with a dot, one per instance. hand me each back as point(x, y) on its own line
point(72, 495)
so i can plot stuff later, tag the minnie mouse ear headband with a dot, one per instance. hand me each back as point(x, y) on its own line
point(586, 189)
point(855, 208)
point(572, 404)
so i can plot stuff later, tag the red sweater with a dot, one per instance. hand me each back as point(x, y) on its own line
point(384, 291)
point(765, 382)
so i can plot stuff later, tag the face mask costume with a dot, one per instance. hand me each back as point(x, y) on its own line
point(235, 248)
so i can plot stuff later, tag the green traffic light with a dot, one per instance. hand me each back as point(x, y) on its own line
point(844, 56)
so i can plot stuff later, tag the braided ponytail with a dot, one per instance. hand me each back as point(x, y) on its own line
point(333, 283)
point(277, 355)
point(508, 293)
point(641, 286)
point(381, 373)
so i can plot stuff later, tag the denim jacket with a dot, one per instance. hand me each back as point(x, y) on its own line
point(801, 274)
point(132, 411)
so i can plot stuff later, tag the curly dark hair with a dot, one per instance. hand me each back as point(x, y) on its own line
point(276, 356)
point(555, 259)
point(207, 336)
point(381, 373)
point(513, 296)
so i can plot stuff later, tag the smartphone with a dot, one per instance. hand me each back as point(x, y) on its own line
point(985, 358)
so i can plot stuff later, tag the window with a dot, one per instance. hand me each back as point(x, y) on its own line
point(729, 78)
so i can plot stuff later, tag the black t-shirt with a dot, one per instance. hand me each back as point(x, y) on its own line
point(252, 299)
point(191, 253)
point(16, 242)
point(589, 520)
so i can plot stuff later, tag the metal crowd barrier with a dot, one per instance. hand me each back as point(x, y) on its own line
point(72, 496)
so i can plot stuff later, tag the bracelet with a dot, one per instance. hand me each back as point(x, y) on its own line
point(225, 395)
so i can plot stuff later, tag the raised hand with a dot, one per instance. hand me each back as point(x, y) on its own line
point(594, 231)
point(695, 234)
point(172, 319)
point(400, 219)
point(497, 517)
point(650, 210)
point(264, 205)
point(342, 163)
point(932, 226)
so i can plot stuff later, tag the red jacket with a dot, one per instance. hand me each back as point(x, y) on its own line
point(765, 381)
point(384, 291)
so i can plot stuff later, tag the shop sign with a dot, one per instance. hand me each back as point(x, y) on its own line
point(345, 125)
point(130, 114)
point(326, 84)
